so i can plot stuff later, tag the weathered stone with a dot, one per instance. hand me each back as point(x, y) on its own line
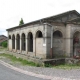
point(35, 38)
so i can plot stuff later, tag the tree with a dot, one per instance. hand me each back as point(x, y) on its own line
point(21, 22)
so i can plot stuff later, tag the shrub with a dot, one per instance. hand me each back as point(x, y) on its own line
point(4, 44)
point(47, 65)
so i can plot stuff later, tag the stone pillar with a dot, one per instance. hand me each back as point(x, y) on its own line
point(8, 41)
point(20, 44)
point(69, 41)
point(10, 44)
point(15, 44)
point(26, 45)
point(69, 47)
point(48, 40)
point(45, 53)
point(34, 45)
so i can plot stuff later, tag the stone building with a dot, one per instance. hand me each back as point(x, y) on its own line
point(52, 37)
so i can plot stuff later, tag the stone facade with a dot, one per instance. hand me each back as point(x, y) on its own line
point(53, 37)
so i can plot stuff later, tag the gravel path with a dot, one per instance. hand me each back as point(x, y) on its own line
point(71, 73)
point(67, 73)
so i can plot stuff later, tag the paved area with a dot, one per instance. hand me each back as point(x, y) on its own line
point(40, 76)
point(50, 73)
point(10, 74)
point(71, 74)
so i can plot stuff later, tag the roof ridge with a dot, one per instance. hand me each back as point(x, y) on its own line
point(63, 13)
point(54, 16)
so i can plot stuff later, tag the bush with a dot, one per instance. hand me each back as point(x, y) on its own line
point(4, 44)
point(47, 65)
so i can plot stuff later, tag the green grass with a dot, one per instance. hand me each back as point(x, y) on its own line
point(2, 48)
point(68, 66)
point(64, 66)
point(22, 61)
point(30, 63)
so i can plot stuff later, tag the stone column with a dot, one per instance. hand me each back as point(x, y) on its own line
point(45, 50)
point(69, 41)
point(69, 47)
point(10, 44)
point(48, 35)
point(15, 44)
point(20, 44)
point(34, 45)
point(26, 45)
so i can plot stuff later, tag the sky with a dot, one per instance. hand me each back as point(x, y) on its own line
point(11, 11)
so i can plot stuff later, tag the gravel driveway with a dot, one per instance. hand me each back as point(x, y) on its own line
point(62, 73)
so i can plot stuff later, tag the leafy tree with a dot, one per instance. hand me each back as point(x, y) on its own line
point(21, 22)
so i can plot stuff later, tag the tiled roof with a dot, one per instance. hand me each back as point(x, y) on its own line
point(75, 20)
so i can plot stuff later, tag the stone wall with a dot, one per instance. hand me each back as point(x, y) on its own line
point(38, 49)
point(62, 47)
point(58, 43)
point(73, 28)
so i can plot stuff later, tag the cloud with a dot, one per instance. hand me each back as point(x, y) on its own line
point(11, 11)
point(3, 32)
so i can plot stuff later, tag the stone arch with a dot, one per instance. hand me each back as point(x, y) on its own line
point(58, 44)
point(59, 29)
point(76, 43)
point(28, 33)
point(57, 34)
point(39, 42)
point(9, 37)
point(30, 42)
point(13, 41)
point(39, 34)
point(18, 42)
point(72, 36)
point(23, 41)
point(38, 31)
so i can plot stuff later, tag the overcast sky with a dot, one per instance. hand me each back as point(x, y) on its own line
point(11, 11)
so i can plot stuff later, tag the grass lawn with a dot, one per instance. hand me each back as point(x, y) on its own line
point(14, 59)
point(20, 60)
point(67, 66)
point(2, 49)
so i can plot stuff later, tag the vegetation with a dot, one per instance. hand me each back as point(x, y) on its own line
point(14, 59)
point(64, 66)
point(48, 65)
point(22, 61)
point(4, 44)
point(21, 22)
point(67, 66)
